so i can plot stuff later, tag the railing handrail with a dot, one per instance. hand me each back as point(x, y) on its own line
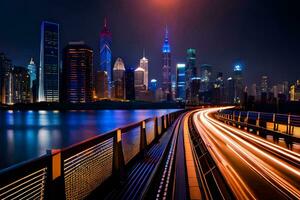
point(11, 173)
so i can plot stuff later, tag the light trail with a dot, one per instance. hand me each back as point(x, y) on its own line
point(253, 167)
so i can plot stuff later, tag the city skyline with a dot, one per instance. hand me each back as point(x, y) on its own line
point(257, 53)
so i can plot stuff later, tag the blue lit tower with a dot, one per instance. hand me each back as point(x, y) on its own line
point(166, 81)
point(105, 54)
point(49, 63)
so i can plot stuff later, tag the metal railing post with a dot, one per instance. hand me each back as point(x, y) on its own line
point(56, 175)
point(156, 136)
point(288, 128)
point(258, 119)
point(143, 139)
point(118, 157)
point(162, 124)
point(274, 124)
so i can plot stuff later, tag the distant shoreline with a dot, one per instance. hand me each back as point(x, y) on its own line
point(101, 105)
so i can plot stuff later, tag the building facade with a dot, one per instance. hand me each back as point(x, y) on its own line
point(166, 69)
point(119, 79)
point(238, 84)
point(77, 72)
point(106, 56)
point(49, 62)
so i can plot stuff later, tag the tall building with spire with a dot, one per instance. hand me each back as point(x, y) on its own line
point(105, 56)
point(144, 65)
point(166, 80)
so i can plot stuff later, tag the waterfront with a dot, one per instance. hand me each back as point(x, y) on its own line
point(28, 134)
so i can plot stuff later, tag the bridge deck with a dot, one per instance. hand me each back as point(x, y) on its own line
point(140, 174)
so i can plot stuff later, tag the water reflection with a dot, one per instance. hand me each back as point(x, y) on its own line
point(27, 134)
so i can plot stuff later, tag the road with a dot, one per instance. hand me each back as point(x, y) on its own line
point(253, 167)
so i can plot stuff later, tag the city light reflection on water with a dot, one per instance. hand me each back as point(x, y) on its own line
point(28, 134)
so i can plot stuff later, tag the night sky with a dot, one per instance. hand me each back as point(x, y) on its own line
point(262, 35)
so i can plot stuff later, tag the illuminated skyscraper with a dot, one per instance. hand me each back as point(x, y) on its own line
point(77, 73)
point(180, 81)
point(190, 71)
point(238, 84)
point(119, 79)
point(49, 63)
point(153, 85)
point(105, 55)
point(144, 65)
point(166, 70)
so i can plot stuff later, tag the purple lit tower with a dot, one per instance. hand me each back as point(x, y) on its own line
point(166, 81)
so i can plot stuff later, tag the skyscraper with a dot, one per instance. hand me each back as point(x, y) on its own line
point(166, 70)
point(119, 79)
point(77, 73)
point(190, 71)
point(238, 84)
point(180, 80)
point(49, 62)
point(105, 55)
point(144, 65)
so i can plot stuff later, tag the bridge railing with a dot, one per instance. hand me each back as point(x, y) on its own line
point(75, 172)
point(280, 123)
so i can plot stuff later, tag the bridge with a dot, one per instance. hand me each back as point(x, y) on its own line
point(205, 153)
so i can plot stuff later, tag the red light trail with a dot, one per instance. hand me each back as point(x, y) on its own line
point(253, 167)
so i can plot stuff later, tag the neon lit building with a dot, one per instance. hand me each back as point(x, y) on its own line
point(77, 73)
point(106, 55)
point(180, 81)
point(166, 80)
point(49, 63)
